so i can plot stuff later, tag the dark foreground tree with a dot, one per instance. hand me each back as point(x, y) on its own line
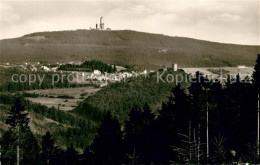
point(144, 140)
point(48, 149)
point(72, 156)
point(256, 81)
point(174, 119)
point(256, 74)
point(108, 145)
point(18, 143)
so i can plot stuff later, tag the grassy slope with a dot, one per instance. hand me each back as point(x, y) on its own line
point(124, 48)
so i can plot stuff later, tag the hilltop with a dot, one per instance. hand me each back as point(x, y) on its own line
point(124, 48)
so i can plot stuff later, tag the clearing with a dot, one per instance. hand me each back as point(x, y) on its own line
point(63, 99)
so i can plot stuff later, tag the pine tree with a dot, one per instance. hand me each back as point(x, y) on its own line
point(256, 81)
point(8, 149)
point(19, 138)
point(114, 68)
point(143, 137)
point(256, 74)
point(17, 119)
point(108, 145)
point(220, 153)
point(48, 148)
point(87, 156)
point(199, 96)
point(174, 119)
point(71, 156)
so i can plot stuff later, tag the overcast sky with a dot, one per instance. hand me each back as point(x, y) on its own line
point(227, 21)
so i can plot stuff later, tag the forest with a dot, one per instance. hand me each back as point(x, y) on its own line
point(205, 122)
point(89, 66)
point(124, 47)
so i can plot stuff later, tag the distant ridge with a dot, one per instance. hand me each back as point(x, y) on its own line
point(124, 47)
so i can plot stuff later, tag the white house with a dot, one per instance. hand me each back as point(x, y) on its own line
point(126, 74)
point(144, 72)
point(114, 77)
point(163, 51)
point(45, 68)
point(242, 67)
point(103, 84)
point(54, 69)
point(97, 72)
point(175, 67)
point(33, 68)
point(165, 68)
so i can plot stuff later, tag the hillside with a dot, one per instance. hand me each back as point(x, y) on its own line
point(124, 48)
point(78, 127)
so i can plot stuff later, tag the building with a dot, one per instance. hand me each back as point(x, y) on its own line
point(101, 25)
point(242, 67)
point(103, 84)
point(45, 68)
point(165, 69)
point(97, 72)
point(144, 72)
point(163, 51)
point(174, 67)
point(33, 68)
point(55, 69)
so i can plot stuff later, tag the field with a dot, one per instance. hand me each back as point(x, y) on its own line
point(59, 99)
point(213, 71)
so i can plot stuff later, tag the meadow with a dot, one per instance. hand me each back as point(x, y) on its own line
point(62, 99)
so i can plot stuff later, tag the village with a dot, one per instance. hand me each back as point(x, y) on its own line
point(78, 77)
point(103, 79)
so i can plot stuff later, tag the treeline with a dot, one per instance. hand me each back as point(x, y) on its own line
point(7, 85)
point(89, 66)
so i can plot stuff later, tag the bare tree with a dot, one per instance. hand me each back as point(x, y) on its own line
point(190, 151)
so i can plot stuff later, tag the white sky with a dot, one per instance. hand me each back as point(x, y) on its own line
point(227, 21)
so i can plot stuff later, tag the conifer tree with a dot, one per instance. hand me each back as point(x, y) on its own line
point(48, 148)
point(144, 139)
point(17, 119)
point(19, 138)
point(108, 145)
point(256, 80)
point(71, 156)
point(256, 74)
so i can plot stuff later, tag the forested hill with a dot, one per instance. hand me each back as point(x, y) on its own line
point(124, 48)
